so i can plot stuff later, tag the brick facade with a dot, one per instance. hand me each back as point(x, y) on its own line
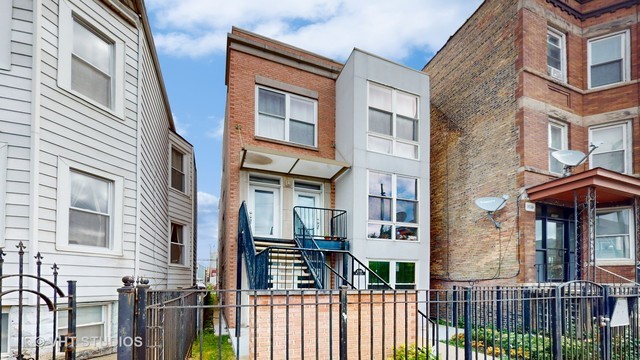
point(492, 102)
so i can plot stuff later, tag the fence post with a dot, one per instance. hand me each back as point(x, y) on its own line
point(526, 310)
point(467, 324)
point(343, 322)
point(499, 308)
point(556, 323)
point(604, 324)
point(454, 306)
point(70, 351)
point(126, 316)
point(140, 339)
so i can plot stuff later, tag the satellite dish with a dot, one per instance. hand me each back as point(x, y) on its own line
point(569, 157)
point(492, 204)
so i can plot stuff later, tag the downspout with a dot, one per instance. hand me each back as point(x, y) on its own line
point(136, 269)
point(35, 138)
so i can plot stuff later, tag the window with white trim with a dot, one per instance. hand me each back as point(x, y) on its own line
point(614, 234)
point(91, 324)
point(403, 276)
point(286, 117)
point(6, 12)
point(556, 54)
point(178, 248)
point(393, 121)
point(393, 207)
point(615, 151)
point(608, 59)
point(177, 170)
point(557, 141)
point(89, 216)
point(4, 327)
point(91, 60)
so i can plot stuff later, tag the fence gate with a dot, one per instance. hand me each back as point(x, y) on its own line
point(66, 343)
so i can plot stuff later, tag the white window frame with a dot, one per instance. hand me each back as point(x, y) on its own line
point(7, 349)
point(632, 239)
point(394, 223)
point(287, 117)
point(562, 76)
point(185, 167)
point(3, 190)
point(6, 14)
point(392, 270)
point(394, 116)
point(628, 143)
point(105, 338)
point(65, 166)
point(185, 244)
point(565, 140)
point(67, 15)
point(626, 63)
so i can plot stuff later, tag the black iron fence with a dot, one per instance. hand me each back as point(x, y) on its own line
point(30, 341)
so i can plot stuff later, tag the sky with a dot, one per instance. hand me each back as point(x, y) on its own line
point(190, 36)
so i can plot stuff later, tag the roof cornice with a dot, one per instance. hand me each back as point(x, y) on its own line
point(591, 14)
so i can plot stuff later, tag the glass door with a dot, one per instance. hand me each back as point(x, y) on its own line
point(555, 244)
point(264, 210)
point(310, 216)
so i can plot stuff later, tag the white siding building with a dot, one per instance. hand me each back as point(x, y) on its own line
point(92, 173)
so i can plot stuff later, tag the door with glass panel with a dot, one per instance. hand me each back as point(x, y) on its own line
point(309, 201)
point(264, 207)
point(555, 244)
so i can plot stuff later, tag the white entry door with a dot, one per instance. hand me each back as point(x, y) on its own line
point(311, 218)
point(264, 210)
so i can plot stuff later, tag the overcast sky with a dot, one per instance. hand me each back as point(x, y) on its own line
point(190, 36)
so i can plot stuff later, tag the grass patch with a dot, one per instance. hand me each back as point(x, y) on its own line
point(210, 347)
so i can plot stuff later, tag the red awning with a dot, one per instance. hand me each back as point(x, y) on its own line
point(610, 187)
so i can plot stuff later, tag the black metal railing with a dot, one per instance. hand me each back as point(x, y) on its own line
point(566, 321)
point(315, 260)
point(247, 247)
point(282, 267)
point(320, 223)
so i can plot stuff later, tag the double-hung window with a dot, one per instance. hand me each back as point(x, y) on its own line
point(91, 325)
point(393, 207)
point(556, 54)
point(403, 276)
point(608, 59)
point(614, 234)
point(177, 170)
point(393, 121)
point(615, 151)
point(286, 117)
point(90, 59)
point(90, 209)
point(177, 244)
point(557, 141)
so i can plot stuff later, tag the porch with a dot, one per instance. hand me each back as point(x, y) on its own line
point(587, 227)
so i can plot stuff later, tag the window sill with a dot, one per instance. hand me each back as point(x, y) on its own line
point(396, 240)
point(615, 262)
point(93, 250)
point(610, 86)
point(179, 266)
point(179, 192)
point(114, 113)
point(282, 142)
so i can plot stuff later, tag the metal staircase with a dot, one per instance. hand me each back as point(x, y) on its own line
point(287, 268)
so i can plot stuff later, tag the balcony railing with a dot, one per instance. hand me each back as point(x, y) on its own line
point(320, 224)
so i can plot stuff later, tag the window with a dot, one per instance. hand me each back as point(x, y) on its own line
point(177, 170)
point(91, 60)
point(556, 54)
point(393, 121)
point(404, 276)
point(614, 153)
point(393, 207)
point(177, 244)
point(613, 234)
point(286, 117)
point(5, 35)
point(609, 59)
point(4, 327)
point(89, 214)
point(91, 327)
point(557, 141)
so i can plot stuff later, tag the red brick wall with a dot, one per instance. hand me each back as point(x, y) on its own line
point(270, 320)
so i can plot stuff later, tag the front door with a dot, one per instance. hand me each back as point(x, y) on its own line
point(264, 210)
point(308, 197)
point(555, 244)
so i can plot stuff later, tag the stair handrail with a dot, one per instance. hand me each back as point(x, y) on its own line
point(247, 247)
point(316, 267)
point(366, 269)
point(613, 275)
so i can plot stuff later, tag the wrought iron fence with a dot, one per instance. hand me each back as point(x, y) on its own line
point(575, 320)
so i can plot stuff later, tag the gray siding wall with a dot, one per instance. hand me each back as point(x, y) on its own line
point(15, 130)
point(75, 129)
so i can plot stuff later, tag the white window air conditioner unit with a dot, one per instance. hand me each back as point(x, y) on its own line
point(556, 73)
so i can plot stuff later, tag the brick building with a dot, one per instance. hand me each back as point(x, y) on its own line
point(518, 81)
point(303, 133)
